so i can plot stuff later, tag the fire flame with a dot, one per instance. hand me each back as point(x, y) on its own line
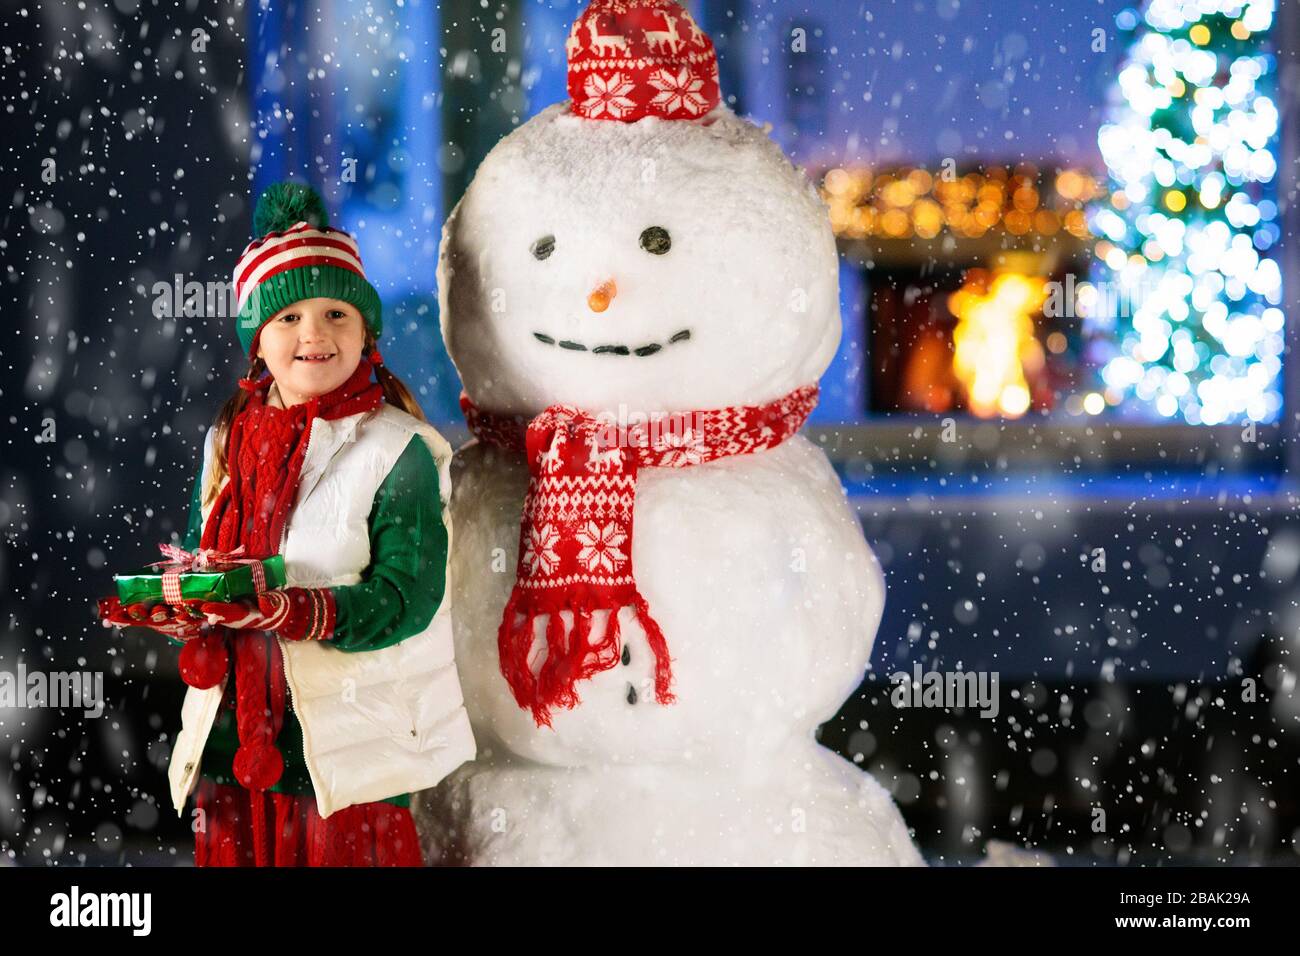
point(994, 342)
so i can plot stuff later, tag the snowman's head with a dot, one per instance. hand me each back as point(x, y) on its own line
point(657, 265)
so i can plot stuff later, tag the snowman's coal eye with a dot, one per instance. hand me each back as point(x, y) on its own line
point(543, 247)
point(656, 241)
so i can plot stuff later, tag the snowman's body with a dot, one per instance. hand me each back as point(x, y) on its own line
point(753, 565)
point(757, 571)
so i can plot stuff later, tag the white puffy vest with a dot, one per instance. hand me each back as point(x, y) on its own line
point(375, 724)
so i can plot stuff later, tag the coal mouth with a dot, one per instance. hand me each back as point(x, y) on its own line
point(649, 348)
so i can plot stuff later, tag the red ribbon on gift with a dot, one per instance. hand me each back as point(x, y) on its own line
point(179, 561)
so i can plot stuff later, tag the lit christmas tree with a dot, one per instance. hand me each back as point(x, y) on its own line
point(1189, 320)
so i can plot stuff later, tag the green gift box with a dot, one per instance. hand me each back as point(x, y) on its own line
point(215, 582)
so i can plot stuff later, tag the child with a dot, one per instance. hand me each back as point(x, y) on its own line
point(317, 708)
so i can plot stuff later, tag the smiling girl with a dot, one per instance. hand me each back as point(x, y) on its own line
point(316, 709)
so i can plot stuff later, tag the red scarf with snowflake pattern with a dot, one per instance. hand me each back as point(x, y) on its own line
point(575, 539)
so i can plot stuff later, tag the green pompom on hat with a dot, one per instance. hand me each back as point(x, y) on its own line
point(286, 204)
point(299, 256)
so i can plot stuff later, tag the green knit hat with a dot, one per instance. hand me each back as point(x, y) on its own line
point(298, 257)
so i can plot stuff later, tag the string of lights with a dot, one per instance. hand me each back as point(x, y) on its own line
point(908, 202)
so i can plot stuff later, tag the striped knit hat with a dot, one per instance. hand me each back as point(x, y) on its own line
point(298, 257)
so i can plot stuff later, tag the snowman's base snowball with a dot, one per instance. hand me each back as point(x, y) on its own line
point(806, 807)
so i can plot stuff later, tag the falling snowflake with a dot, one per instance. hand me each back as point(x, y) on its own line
point(600, 547)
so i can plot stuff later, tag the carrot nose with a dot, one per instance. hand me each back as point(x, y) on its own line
point(602, 296)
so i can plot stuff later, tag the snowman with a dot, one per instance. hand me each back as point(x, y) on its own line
point(660, 590)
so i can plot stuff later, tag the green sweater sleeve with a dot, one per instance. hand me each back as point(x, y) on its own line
point(404, 585)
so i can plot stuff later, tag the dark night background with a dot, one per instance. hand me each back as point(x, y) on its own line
point(1121, 691)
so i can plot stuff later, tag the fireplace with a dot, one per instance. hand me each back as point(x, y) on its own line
point(975, 284)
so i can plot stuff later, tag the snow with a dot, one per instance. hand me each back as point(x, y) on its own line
point(751, 273)
point(754, 566)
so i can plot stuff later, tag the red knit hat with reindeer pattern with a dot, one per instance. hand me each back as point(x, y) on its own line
point(629, 59)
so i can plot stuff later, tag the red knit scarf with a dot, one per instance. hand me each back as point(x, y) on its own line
point(575, 539)
point(265, 454)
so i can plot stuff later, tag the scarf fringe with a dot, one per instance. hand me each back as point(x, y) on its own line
point(659, 647)
point(570, 655)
